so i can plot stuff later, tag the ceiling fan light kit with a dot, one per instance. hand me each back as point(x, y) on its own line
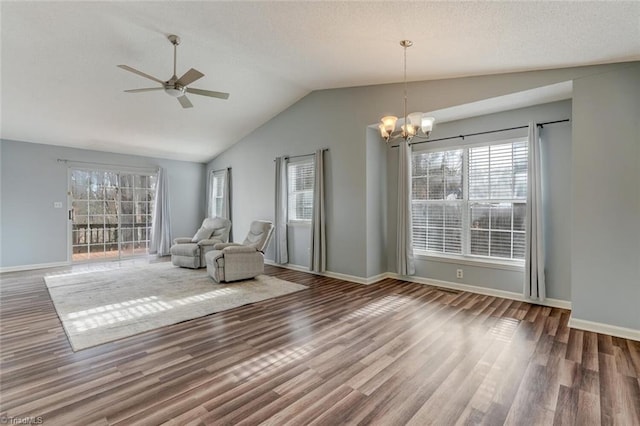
point(176, 87)
point(415, 124)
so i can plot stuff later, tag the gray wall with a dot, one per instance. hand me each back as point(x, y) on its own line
point(34, 232)
point(556, 167)
point(605, 254)
point(603, 263)
point(338, 119)
point(376, 212)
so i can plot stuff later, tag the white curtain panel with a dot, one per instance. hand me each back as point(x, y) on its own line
point(160, 241)
point(282, 252)
point(404, 248)
point(226, 194)
point(318, 261)
point(226, 199)
point(534, 283)
point(211, 195)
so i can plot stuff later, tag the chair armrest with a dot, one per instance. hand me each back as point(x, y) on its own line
point(211, 242)
point(239, 249)
point(182, 240)
point(221, 246)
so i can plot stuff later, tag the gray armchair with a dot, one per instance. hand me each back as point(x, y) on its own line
point(189, 252)
point(232, 261)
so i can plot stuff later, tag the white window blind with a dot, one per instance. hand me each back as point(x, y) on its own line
point(300, 190)
point(217, 192)
point(437, 207)
point(471, 200)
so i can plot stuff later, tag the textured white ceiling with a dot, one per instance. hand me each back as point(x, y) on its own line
point(60, 84)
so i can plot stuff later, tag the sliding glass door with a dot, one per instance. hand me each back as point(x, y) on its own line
point(110, 213)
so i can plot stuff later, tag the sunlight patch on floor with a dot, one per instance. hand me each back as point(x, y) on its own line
point(104, 316)
point(380, 307)
point(268, 361)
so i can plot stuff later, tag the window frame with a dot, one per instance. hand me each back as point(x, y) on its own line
point(466, 258)
point(217, 200)
point(298, 162)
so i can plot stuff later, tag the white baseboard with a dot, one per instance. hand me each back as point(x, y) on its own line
point(32, 267)
point(553, 303)
point(598, 327)
point(336, 275)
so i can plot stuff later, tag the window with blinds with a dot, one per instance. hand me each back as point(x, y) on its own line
point(217, 192)
point(471, 200)
point(300, 176)
point(437, 193)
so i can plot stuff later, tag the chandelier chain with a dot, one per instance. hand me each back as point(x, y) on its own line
point(405, 86)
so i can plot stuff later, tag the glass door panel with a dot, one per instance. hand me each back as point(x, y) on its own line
point(111, 214)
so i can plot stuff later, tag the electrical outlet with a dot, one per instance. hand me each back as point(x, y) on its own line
point(57, 205)
point(459, 273)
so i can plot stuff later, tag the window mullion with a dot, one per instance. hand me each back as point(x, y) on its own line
point(466, 210)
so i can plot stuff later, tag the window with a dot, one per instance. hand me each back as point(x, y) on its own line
point(300, 176)
point(217, 185)
point(471, 200)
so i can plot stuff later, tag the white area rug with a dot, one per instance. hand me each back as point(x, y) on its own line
point(96, 307)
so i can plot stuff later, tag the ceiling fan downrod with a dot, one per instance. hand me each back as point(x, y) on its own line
point(175, 40)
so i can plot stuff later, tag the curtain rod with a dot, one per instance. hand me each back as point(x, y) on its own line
point(220, 170)
point(302, 155)
point(67, 161)
point(487, 132)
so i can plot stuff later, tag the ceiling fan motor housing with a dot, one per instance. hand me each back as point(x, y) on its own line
point(174, 90)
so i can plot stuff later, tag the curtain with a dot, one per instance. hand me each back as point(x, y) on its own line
point(226, 198)
point(160, 241)
point(226, 194)
point(534, 283)
point(211, 195)
point(282, 253)
point(404, 244)
point(318, 261)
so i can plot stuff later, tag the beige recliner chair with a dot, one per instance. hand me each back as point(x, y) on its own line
point(189, 252)
point(232, 262)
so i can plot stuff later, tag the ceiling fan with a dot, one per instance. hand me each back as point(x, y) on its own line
point(176, 87)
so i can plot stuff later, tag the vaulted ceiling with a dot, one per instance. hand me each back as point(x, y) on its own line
point(61, 86)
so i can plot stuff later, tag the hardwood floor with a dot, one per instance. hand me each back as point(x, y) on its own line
point(391, 353)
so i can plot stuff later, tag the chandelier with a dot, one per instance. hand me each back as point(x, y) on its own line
point(415, 124)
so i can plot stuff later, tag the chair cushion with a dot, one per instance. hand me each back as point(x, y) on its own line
point(202, 234)
point(220, 226)
point(191, 249)
point(259, 234)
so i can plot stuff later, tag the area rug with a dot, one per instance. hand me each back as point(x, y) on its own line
point(101, 306)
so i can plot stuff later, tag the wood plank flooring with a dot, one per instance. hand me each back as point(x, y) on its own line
point(392, 353)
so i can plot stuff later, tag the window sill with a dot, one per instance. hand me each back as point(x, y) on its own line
point(507, 265)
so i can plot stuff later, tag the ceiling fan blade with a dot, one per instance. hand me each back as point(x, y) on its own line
point(209, 93)
point(144, 90)
point(189, 77)
point(185, 102)
point(140, 73)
